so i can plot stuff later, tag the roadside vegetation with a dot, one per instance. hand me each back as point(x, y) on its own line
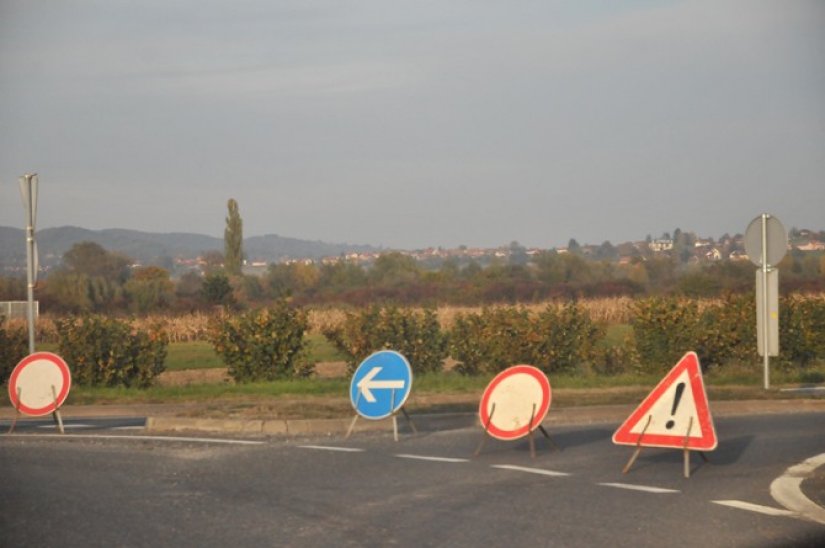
point(587, 360)
point(588, 321)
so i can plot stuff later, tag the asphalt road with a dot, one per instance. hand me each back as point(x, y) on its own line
point(425, 490)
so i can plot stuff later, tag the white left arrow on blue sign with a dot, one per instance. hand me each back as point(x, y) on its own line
point(368, 383)
point(381, 384)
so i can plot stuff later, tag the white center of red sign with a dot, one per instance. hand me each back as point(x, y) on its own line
point(515, 402)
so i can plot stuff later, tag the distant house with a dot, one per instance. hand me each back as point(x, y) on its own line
point(713, 254)
point(660, 245)
point(738, 256)
point(812, 245)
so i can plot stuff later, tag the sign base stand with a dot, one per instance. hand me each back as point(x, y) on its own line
point(685, 449)
point(384, 378)
point(58, 419)
point(394, 418)
point(530, 433)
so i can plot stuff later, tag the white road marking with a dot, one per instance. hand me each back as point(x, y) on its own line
point(540, 471)
point(644, 488)
point(127, 428)
point(67, 426)
point(435, 459)
point(131, 438)
point(742, 505)
point(786, 489)
point(332, 448)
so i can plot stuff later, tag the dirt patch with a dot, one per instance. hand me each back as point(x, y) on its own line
point(218, 375)
point(188, 377)
point(307, 407)
point(331, 370)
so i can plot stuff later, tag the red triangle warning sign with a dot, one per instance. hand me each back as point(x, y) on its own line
point(675, 414)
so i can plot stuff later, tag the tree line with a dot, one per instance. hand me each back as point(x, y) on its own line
point(92, 279)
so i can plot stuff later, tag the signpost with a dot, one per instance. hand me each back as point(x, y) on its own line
point(28, 191)
point(766, 243)
point(39, 385)
point(514, 405)
point(380, 387)
point(675, 414)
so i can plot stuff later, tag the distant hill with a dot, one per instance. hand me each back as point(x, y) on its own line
point(150, 247)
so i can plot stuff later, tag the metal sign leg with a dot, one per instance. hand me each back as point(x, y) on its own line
point(638, 447)
point(56, 415)
point(16, 410)
point(351, 426)
point(686, 450)
point(546, 435)
point(530, 433)
point(409, 420)
point(394, 418)
point(355, 418)
point(486, 434)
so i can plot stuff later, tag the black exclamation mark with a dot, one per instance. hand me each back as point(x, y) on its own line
point(679, 389)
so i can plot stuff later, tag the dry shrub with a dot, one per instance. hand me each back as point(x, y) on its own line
point(193, 327)
point(324, 319)
point(608, 310)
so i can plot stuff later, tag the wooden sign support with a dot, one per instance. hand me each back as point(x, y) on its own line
point(16, 410)
point(685, 449)
point(486, 433)
point(393, 416)
point(530, 433)
point(58, 419)
point(532, 430)
point(638, 450)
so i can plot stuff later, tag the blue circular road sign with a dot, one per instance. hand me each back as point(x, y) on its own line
point(380, 385)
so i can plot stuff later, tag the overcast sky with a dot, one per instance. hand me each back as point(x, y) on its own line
point(415, 123)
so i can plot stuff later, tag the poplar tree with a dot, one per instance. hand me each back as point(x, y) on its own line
point(233, 239)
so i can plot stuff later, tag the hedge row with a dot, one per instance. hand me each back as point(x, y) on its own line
point(556, 340)
point(270, 343)
point(567, 340)
point(14, 345)
point(724, 332)
point(262, 345)
point(104, 351)
point(415, 334)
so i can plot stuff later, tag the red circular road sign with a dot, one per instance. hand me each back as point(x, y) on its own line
point(39, 384)
point(515, 402)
